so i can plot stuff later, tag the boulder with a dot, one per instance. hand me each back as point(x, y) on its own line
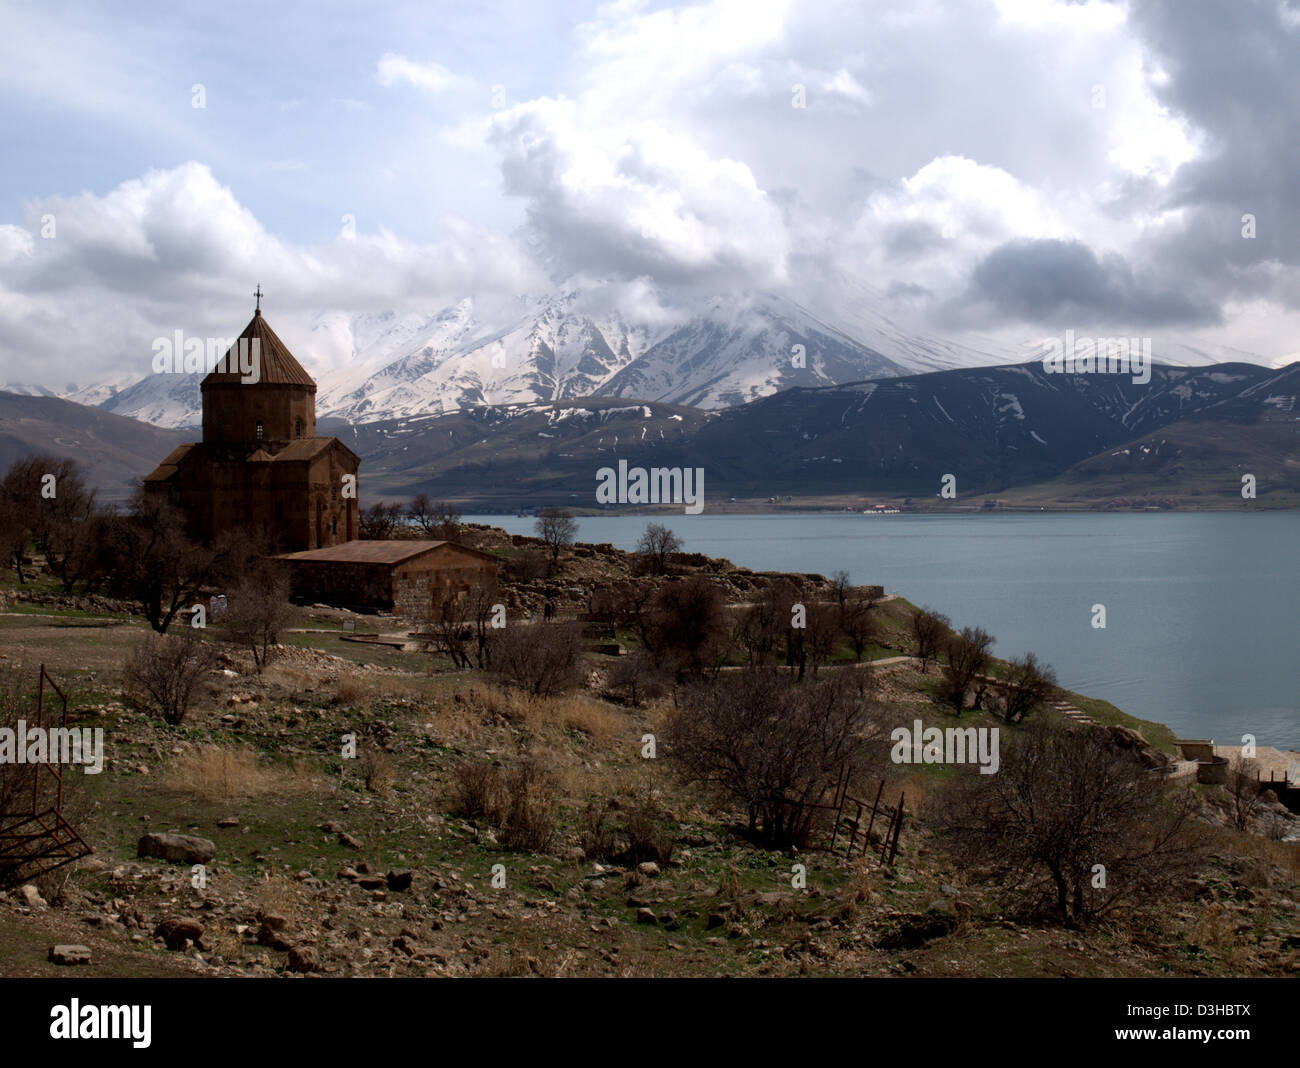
point(273, 933)
point(31, 897)
point(70, 955)
point(399, 880)
point(645, 915)
point(303, 959)
point(176, 848)
point(177, 932)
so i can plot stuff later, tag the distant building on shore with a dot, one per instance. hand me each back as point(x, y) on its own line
point(405, 576)
point(260, 467)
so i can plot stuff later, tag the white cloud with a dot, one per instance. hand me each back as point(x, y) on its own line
point(395, 69)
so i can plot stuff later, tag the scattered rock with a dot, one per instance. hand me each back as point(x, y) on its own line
point(176, 848)
point(399, 880)
point(303, 959)
point(773, 898)
point(644, 915)
point(274, 932)
point(347, 840)
point(69, 955)
point(228, 821)
point(31, 897)
point(648, 867)
point(177, 932)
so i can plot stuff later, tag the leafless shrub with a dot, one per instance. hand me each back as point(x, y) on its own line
point(530, 818)
point(166, 673)
point(376, 769)
point(775, 748)
point(637, 678)
point(1074, 824)
point(258, 611)
point(1243, 791)
point(627, 834)
point(480, 790)
point(542, 660)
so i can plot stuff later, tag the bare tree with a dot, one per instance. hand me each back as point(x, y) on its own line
point(1028, 685)
point(379, 521)
point(968, 656)
point(763, 625)
point(557, 529)
point(20, 505)
point(857, 620)
point(840, 587)
point(65, 520)
point(259, 610)
point(688, 625)
point(929, 629)
point(155, 563)
point(165, 674)
point(774, 748)
point(655, 546)
point(821, 633)
point(437, 519)
point(1074, 822)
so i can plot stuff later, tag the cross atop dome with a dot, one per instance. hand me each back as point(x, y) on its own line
point(258, 294)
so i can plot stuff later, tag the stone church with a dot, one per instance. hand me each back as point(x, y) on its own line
point(260, 467)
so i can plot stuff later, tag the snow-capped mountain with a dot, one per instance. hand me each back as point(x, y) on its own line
point(720, 352)
point(714, 353)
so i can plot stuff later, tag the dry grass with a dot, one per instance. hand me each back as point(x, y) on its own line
point(214, 773)
point(477, 716)
point(350, 691)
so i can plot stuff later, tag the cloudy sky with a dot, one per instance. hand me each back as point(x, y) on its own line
point(993, 167)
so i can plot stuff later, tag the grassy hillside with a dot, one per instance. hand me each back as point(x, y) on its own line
point(304, 833)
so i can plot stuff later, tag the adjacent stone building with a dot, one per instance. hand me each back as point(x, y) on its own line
point(260, 467)
point(404, 576)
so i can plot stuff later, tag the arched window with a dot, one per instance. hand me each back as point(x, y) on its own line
point(259, 430)
point(297, 428)
point(334, 525)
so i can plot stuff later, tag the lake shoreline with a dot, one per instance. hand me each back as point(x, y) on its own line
point(1198, 604)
